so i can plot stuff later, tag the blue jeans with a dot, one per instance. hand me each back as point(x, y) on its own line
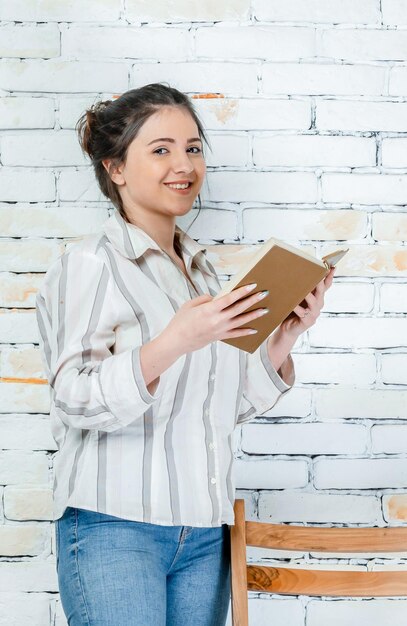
point(116, 572)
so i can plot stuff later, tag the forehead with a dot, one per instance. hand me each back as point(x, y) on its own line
point(169, 122)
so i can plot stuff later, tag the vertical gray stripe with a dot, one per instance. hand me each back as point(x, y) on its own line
point(63, 280)
point(128, 246)
point(40, 312)
point(168, 442)
point(101, 493)
point(209, 437)
point(146, 485)
point(95, 314)
point(86, 353)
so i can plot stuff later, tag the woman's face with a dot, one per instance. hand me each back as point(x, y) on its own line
point(166, 152)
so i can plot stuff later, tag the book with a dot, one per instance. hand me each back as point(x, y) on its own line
point(289, 274)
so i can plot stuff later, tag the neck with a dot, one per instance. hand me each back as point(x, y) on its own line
point(162, 231)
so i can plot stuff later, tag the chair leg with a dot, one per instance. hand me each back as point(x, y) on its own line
point(240, 612)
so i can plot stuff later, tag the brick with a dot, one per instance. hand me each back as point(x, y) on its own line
point(393, 368)
point(24, 398)
point(390, 226)
point(231, 150)
point(275, 187)
point(24, 185)
point(42, 149)
point(361, 116)
point(394, 12)
point(299, 224)
point(364, 188)
point(18, 327)
point(23, 467)
point(364, 45)
point(318, 11)
point(19, 290)
point(24, 608)
point(360, 473)
point(23, 362)
point(386, 332)
point(394, 152)
point(304, 439)
point(79, 186)
point(44, 221)
point(271, 474)
point(186, 11)
point(398, 81)
point(28, 576)
point(317, 78)
point(63, 76)
point(125, 42)
point(341, 612)
point(313, 150)
point(349, 298)
point(279, 612)
point(195, 77)
point(297, 403)
point(316, 508)
point(342, 369)
point(24, 503)
point(61, 11)
point(24, 112)
point(211, 224)
point(393, 298)
point(371, 261)
point(28, 254)
point(258, 42)
point(26, 432)
point(395, 507)
point(71, 108)
point(367, 403)
point(389, 439)
point(40, 41)
point(254, 114)
point(23, 540)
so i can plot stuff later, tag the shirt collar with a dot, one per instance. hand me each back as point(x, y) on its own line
point(132, 241)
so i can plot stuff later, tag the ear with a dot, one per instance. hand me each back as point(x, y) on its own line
point(114, 171)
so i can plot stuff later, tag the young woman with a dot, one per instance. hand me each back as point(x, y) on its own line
point(144, 396)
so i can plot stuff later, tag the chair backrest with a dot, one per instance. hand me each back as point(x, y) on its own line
point(306, 581)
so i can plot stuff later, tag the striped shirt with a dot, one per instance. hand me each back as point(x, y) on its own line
point(164, 458)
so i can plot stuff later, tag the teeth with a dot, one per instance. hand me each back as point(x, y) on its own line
point(178, 186)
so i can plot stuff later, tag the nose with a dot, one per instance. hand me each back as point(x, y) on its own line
point(182, 163)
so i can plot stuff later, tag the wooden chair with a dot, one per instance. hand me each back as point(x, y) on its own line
point(293, 581)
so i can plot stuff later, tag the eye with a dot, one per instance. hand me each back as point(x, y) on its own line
point(158, 150)
point(198, 150)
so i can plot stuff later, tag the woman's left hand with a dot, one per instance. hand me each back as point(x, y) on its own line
point(303, 317)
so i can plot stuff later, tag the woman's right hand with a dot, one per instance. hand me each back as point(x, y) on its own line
point(203, 320)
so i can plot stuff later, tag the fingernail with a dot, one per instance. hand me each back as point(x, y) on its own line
point(253, 331)
point(263, 294)
point(250, 287)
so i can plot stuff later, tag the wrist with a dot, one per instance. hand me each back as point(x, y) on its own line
point(170, 343)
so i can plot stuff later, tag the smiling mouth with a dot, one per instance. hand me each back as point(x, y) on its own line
point(178, 186)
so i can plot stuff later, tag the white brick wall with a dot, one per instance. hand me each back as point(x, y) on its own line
point(305, 104)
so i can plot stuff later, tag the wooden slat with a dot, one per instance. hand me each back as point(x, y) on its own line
point(240, 611)
point(326, 583)
point(317, 539)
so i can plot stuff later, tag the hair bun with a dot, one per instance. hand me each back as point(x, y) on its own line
point(88, 125)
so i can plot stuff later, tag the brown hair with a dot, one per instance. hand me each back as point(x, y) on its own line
point(108, 127)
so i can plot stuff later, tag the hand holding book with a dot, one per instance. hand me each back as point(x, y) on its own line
point(290, 275)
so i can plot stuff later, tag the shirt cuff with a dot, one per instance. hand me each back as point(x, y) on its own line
point(265, 384)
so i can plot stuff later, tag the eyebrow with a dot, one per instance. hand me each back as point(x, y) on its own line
point(170, 140)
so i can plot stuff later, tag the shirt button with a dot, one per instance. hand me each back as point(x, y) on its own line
point(213, 376)
point(213, 481)
point(206, 411)
point(212, 446)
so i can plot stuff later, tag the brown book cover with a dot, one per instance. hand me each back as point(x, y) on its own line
point(289, 274)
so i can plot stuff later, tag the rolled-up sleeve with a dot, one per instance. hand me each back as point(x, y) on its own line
point(263, 385)
point(91, 387)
